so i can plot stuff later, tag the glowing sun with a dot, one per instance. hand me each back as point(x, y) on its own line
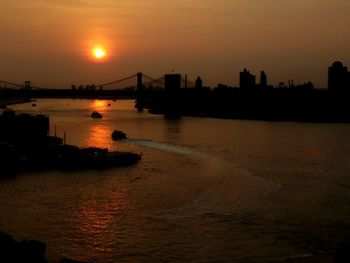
point(99, 52)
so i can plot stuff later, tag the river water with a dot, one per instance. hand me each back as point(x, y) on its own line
point(206, 190)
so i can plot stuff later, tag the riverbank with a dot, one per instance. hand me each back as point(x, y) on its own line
point(6, 102)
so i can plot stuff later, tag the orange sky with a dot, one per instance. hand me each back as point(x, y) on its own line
point(49, 42)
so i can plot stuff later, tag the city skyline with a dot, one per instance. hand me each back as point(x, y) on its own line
point(50, 43)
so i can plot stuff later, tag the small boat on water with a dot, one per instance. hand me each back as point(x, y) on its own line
point(118, 135)
point(96, 115)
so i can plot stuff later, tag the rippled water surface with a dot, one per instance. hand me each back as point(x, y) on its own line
point(206, 190)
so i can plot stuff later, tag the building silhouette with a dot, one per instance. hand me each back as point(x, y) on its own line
point(338, 77)
point(199, 83)
point(246, 80)
point(172, 95)
point(172, 82)
point(263, 79)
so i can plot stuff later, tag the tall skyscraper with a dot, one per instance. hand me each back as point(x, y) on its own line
point(199, 83)
point(338, 77)
point(263, 79)
point(246, 80)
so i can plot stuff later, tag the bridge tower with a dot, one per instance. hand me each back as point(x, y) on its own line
point(139, 92)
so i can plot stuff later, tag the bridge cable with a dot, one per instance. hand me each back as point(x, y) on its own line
point(155, 80)
point(116, 81)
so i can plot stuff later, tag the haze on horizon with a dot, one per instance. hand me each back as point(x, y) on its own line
point(49, 42)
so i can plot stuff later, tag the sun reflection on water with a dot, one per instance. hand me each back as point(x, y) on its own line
point(100, 136)
point(101, 106)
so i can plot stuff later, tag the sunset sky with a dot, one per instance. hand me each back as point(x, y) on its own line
point(50, 41)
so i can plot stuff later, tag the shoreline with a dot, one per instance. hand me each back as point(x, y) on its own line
point(6, 102)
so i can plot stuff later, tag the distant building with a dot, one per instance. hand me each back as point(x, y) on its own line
point(263, 79)
point(199, 83)
point(222, 86)
point(308, 86)
point(338, 77)
point(246, 80)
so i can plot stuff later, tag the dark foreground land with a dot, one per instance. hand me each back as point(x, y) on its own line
point(10, 101)
point(25, 251)
point(34, 251)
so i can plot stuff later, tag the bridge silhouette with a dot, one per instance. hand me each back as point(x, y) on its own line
point(138, 83)
point(146, 90)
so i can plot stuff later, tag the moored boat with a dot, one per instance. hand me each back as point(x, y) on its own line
point(96, 115)
point(118, 135)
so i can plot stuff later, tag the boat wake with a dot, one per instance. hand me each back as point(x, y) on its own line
point(210, 158)
point(166, 147)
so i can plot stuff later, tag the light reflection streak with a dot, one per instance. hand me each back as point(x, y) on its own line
point(98, 220)
point(100, 136)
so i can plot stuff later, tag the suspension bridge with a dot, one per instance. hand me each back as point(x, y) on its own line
point(135, 81)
